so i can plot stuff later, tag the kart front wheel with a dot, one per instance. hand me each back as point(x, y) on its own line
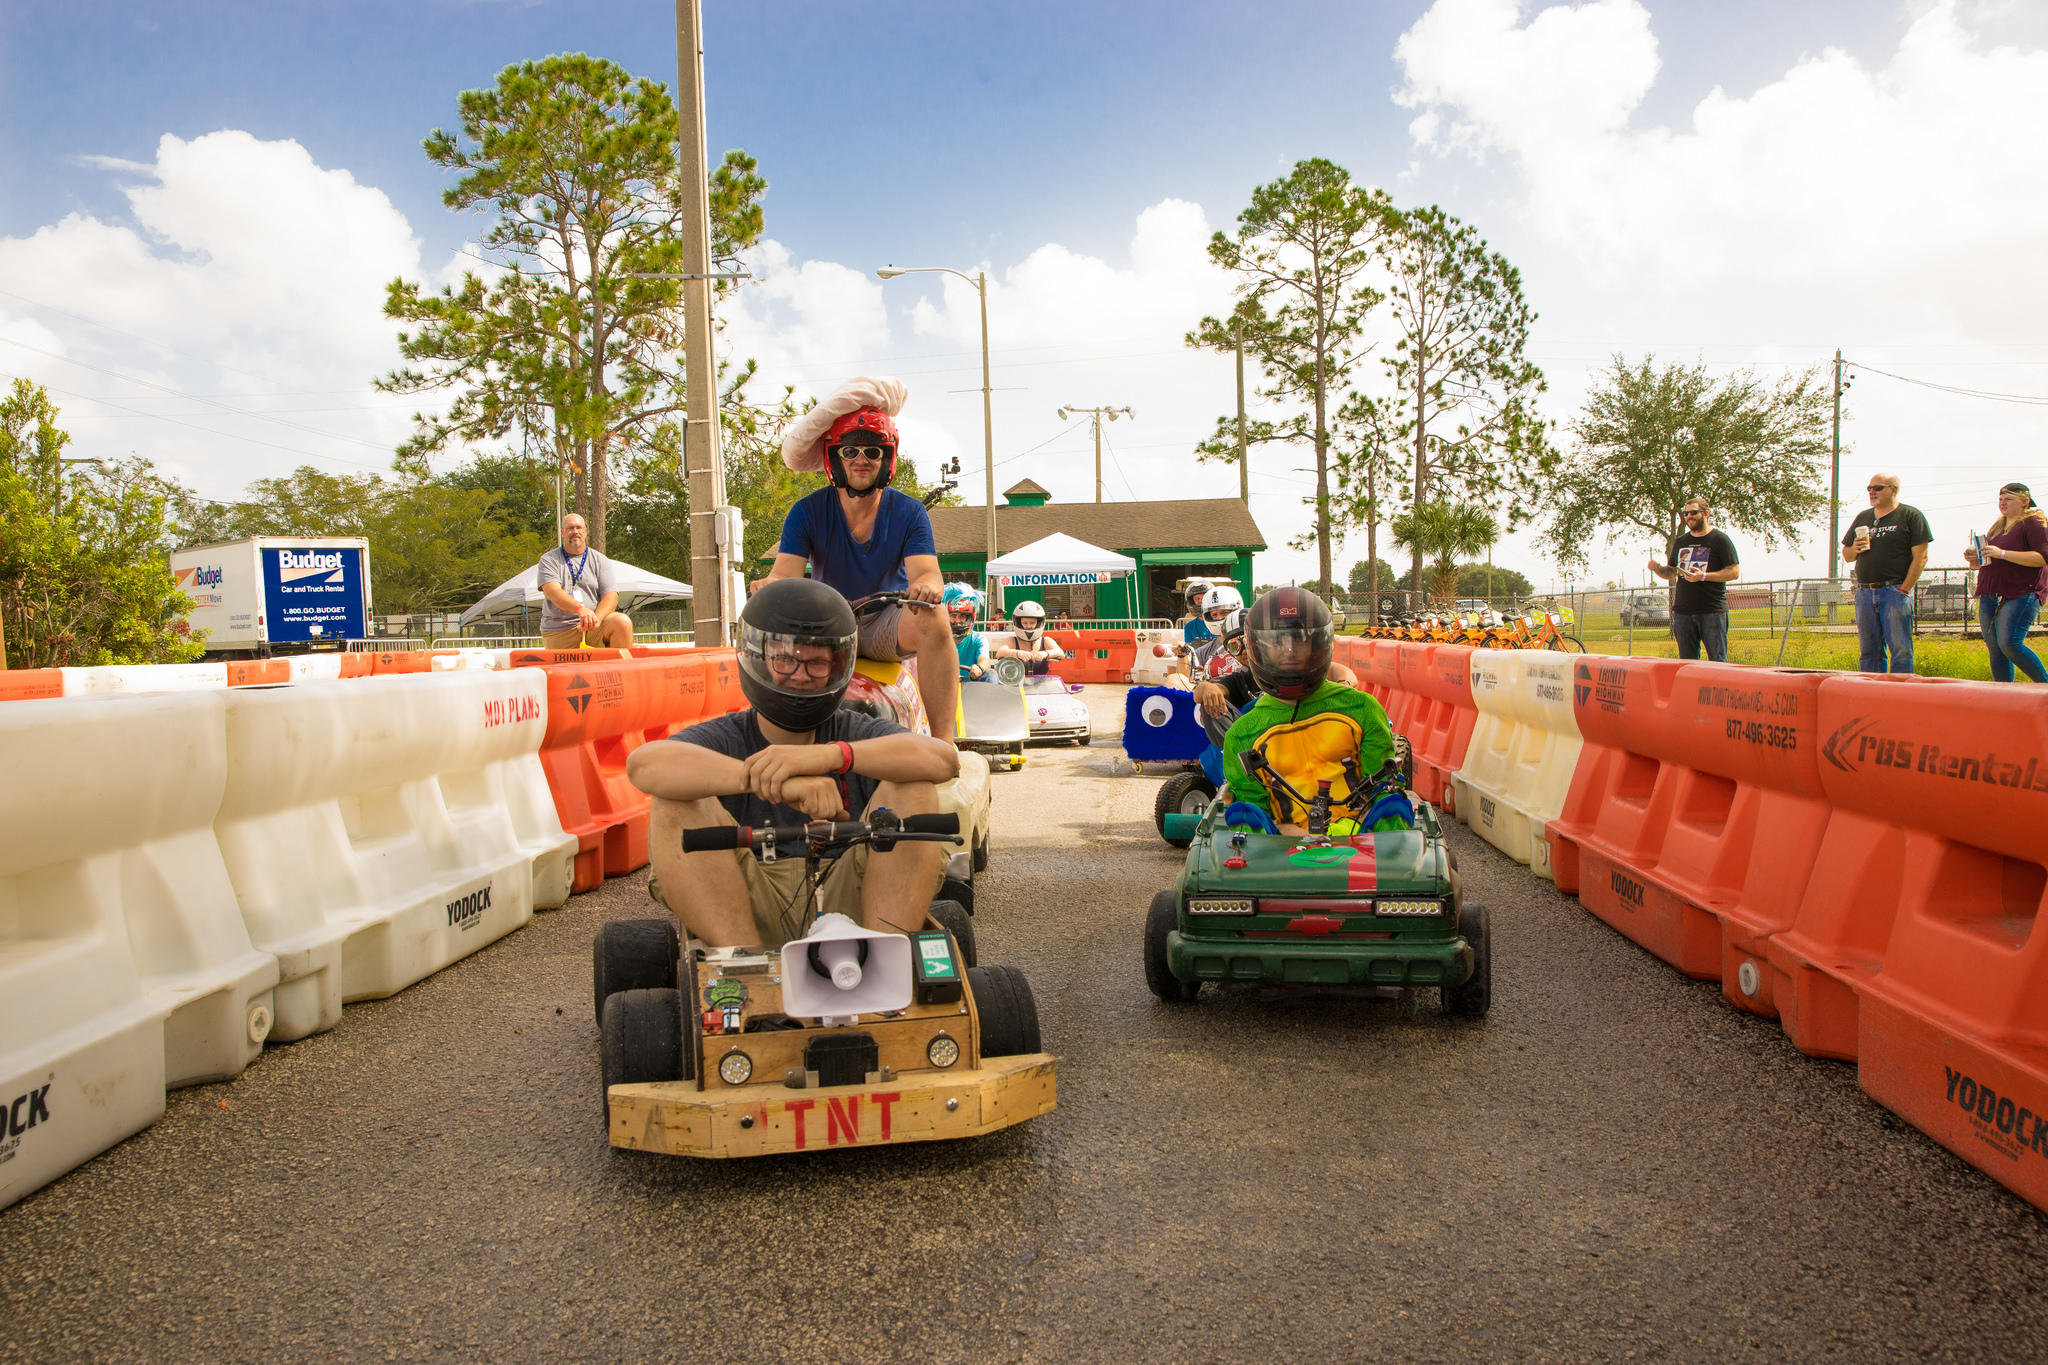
point(1473, 999)
point(1009, 1013)
point(957, 921)
point(632, 955)
point(642, 1039)
point(1160, 921)
point(1181, 794)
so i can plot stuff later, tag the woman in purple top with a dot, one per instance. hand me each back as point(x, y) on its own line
point(2012, 581)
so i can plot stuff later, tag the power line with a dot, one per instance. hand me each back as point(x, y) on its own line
point(233, 436)
point(178, 393)
point(2029, 399)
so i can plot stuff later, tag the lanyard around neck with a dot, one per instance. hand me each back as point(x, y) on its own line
point(576, 572)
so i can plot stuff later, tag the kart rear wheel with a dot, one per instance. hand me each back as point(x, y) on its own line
point(632, 955)
point(1181, 794)
point(1161, 920)
point(958, 922)
point(980, 856)
point(642, 1039)
point(1404, 758)
point(962, 893)
point(1473, 999)
point(1009, 1013)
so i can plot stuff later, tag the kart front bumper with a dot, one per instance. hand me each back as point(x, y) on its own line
point(923, 1106)
point(1319, 962)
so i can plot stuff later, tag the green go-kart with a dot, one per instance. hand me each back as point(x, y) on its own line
point(1370, 912)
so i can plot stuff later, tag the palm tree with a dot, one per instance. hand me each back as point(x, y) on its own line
point(1445, 533)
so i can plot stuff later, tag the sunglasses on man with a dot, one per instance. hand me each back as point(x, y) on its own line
point(864, 454)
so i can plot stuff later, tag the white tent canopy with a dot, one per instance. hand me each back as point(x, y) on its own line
point(1059, 558)
point(523, 592)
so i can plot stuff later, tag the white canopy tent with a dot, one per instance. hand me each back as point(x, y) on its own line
point(1058, 560)
point(522, 593)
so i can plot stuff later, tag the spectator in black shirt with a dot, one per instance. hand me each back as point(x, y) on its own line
point(1703, 563)
point(1888, 545)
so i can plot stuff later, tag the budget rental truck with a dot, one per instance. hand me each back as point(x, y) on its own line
point(277, 595)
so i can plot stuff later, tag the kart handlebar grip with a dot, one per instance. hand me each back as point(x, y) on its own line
point(711, 837)
point(931, 824)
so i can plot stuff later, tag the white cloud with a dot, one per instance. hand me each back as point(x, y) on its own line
point(1833, 170)
point(250, 276)
point(1898, 208)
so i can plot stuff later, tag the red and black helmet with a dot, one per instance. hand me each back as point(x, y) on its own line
point(1290, 636)
point(862, 426)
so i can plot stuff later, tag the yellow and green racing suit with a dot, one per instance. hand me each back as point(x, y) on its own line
point(1306, 742)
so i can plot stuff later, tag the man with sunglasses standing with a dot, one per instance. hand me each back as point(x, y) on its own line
point(860, 536)
point(1703, 563)
point(1888, 545)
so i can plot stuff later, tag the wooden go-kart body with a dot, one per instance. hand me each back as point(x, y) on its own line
point(904, 1099)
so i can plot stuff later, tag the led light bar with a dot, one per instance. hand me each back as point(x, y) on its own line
point(1208, 906)
point(1393, 907)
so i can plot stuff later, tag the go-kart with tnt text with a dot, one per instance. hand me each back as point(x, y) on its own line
point(1370, 910)
point(841, 1037)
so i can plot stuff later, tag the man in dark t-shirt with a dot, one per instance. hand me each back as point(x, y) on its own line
point(1703, 563)
point(790, 758)
point(1887, 542)
point(861, 537)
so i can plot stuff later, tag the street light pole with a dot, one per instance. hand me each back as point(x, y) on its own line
point(988, 421)
point(1244, 468)
point(703, 460)
point(1098, 414)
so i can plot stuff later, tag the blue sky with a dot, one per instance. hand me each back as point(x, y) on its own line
point(1031, 138)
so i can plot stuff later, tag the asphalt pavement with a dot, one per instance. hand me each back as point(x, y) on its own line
point(1614, 1165)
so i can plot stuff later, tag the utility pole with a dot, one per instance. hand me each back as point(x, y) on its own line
point(1835, 483)
point(1244, 468)
point(703, 460)
point(1098, 414)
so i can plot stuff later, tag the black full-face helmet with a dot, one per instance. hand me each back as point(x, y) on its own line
point(797, 645)
point(1291, 637)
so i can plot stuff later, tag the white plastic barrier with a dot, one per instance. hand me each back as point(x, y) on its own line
point(315, 667)
point(143, 678)
point(470, 660)
point(538, 828)
point(367, 828)
point(124, 963)
point(1524, 747)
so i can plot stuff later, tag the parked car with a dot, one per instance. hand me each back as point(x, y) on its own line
point(1646, 609)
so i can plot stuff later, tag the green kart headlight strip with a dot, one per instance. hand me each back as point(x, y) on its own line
point(1390, 908)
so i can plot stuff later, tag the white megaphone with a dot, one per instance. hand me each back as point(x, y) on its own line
point(843, 969)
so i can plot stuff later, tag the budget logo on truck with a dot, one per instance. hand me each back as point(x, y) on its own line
point(298, 566)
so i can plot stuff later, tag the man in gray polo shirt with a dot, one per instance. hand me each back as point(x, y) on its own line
point(581, 598)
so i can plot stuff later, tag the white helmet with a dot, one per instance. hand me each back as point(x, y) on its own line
point(1031, 609)
point(1221, 598)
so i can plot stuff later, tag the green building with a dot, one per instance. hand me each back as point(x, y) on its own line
point(1173, 540)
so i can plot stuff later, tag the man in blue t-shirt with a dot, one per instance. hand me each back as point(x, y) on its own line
point(862, 537)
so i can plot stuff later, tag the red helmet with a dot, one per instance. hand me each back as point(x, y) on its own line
point(875, 424)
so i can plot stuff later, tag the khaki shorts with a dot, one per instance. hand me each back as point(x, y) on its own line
point(878, 634)
point(775, 890)
point(569, 639)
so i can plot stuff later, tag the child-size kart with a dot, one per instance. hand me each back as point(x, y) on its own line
point(1054, 709)
point(840, 1038)
point(1377, 910)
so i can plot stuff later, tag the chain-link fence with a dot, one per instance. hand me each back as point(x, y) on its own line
point(1801, 622)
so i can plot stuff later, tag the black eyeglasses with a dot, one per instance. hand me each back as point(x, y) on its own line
point(789, 665)
point(872, 453)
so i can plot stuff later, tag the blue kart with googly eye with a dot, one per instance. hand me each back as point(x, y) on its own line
point(1163, 727)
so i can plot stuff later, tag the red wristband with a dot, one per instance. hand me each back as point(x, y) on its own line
point(845, 757)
